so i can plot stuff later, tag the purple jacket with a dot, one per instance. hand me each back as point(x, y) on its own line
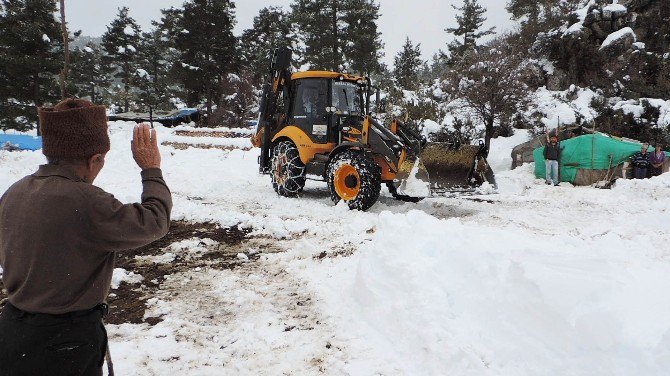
point(657, 159)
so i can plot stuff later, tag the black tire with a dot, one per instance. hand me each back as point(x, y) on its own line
point(359, 174)
point(287, 170)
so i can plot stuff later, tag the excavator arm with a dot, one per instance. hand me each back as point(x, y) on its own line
point(279, 76)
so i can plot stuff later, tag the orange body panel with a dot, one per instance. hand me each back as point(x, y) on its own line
point(394, 126)
point(387, 173)
point(325, 74)
point(365, 130)
point(306, 147)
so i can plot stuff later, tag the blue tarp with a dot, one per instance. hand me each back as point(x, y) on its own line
point(20, 141)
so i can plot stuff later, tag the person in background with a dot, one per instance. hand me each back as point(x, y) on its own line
point(309, 103)
point(58, 238)
point(640, 162)
point(656, 160)
point(552, 158)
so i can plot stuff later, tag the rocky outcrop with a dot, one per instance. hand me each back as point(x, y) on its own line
point(603, 20)
point(637, 5)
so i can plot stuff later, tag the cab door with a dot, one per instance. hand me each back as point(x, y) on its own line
point(309, 108)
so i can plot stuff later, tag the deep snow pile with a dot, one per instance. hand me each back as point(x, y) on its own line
point(533, 280)
point(459, 298)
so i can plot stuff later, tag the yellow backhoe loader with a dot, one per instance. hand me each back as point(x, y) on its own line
point(318, 125)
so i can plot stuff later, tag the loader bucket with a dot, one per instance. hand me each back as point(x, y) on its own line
point(442, 168)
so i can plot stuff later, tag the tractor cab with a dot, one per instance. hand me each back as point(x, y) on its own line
point(322, 103)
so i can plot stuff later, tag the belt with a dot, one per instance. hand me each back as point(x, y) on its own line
point(103, 308)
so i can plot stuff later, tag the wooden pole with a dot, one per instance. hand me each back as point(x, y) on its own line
point(593, 145)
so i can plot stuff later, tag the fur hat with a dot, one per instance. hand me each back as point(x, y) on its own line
point(74, 128)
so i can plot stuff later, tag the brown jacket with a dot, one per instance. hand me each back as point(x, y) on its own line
point(58, 235)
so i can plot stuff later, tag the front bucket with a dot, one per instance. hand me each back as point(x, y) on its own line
point(441, 168)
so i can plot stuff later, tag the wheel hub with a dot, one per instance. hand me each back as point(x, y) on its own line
point(351, 181)
point(347, 182)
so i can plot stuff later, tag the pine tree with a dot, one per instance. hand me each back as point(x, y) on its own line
point(91, 73)
point(321, 28)
point(31, 56)
point(150, 75)
point(529, 9)
point(238, 101)
point(271, 29)
point(168, 55)
point(157, 55)
point(120, 43)
point(533, 12)
point(407, 65)
point(208, 49)
point(361, 38)
point(470, 20)
point(340, 34)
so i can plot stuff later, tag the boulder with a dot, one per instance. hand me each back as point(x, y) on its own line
point(619, 41)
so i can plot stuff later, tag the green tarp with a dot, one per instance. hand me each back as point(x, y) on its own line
point(588, 152)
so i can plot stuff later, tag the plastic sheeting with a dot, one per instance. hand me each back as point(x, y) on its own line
point(20, 142)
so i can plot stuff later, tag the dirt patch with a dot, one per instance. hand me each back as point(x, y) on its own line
point(184, 146)
point(127, 303)
point(212, 134)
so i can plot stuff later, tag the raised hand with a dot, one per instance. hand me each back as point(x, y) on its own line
point(145, 147)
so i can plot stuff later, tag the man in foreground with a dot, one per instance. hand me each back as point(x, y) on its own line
point(58, 235)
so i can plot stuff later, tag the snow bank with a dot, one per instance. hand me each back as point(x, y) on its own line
point(500, 153)
point(456, 298)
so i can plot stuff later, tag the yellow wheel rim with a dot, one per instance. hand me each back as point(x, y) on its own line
point(347, 182)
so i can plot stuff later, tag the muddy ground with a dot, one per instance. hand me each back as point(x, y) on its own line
point(127, 303)
point(212, 134)
point(183, 146)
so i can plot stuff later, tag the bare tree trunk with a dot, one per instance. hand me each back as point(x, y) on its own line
point(336, 59)
point(126, 86)
point(66, 51)
point(209, 105)
point(489, 133)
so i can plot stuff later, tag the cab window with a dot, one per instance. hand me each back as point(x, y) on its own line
point(309, 107)
point(347, 98)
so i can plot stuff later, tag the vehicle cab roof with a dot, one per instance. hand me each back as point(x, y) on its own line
point(325, 74)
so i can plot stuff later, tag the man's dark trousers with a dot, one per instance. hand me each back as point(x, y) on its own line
point(640, 173)
point(40, 344)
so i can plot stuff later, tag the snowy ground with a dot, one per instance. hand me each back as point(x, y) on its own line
point(534, 280)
